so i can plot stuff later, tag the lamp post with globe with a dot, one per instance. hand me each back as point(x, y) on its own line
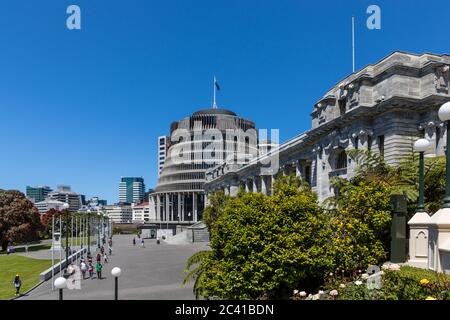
point(89, 232)
point(60, 284)
point(444, 115)
point(421, 146)
point(116, 272)
point(66, 222)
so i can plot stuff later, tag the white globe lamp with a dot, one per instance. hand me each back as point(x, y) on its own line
point(60, 284)
point(444, 112)
point(116, 272)
point(421, 145)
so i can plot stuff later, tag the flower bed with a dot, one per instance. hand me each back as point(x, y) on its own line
point(397, 283)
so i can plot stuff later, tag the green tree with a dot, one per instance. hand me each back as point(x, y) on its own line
point(19, 218)
point(360, 223)
point(403, 177)
point(264, 246)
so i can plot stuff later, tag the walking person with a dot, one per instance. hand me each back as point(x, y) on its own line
point(98, 269)
point(17, 284)
point(105, 258)
point(102, 250)
point(134, 241)
point(98, 258)
point(83, 268)
point(110, 251)
point(142, 243)
point(91, 270)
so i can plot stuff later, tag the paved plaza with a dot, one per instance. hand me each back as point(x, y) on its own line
point(154, 272)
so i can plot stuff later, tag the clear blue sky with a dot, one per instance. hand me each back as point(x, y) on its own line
point(85, 107)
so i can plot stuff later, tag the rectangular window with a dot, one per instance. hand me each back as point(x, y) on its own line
point(342, 106)
point(381, 145)
point(308, 174)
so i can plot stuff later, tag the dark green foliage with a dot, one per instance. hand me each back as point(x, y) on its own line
point(19, 218)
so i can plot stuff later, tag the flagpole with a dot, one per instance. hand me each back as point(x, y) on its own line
point(353, 43)
point(53, 250)
point(214, 85)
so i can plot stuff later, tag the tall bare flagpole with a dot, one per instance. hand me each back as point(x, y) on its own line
point(60, 237)
point(353, 42)
point(214, 85)
point(53, 250)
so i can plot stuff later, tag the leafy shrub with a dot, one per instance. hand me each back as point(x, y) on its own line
point(405, 284)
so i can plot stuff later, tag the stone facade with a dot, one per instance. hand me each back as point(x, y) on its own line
point(384, 107)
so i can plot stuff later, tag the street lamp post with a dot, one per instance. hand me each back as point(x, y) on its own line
point(444, 115)
point(116, 272)
point(98, 230)
point(66, 208)
point(421, 146)
point(89, 233)
point(60, 284)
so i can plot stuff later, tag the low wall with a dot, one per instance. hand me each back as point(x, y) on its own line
point(47, 274)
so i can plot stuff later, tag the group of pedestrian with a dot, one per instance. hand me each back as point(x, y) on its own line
point(85, 267)
point(101, 256)
point(142, 242)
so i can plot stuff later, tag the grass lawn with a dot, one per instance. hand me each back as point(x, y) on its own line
point(28, 269)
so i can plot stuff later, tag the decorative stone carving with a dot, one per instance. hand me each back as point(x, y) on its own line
point(353, 93)
point(430, 128)
point(441, 79)
point(336, 140)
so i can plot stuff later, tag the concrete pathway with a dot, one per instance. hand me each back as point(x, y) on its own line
point(154, 272)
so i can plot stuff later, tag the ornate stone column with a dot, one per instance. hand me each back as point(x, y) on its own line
point(194, 207)
point(158, 207)
point(263, 185)
point(298, 169)
point(166, 213)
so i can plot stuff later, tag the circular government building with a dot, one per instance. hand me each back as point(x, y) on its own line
point(201, 141)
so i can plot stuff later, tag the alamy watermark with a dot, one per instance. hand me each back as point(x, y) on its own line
point(374, 20)
point(73, 21)
point(231, 146)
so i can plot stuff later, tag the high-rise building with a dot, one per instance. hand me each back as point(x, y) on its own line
point(38, 194)
point(131, 190)
point(66, 195)
point(163, 147)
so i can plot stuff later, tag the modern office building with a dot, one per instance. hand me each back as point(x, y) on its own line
point(198, 142)
point(131, 190)
point(38, 194)
point(119, 212)
point(142, 213)
point(45, 205)
point(66, 195)
point(384, 108)
point(163, 147)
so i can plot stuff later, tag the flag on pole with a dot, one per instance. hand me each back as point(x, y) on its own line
point(216, 84)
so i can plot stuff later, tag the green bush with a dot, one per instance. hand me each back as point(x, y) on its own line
point(264, 246)
point(355, 292)
point(405, 284)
